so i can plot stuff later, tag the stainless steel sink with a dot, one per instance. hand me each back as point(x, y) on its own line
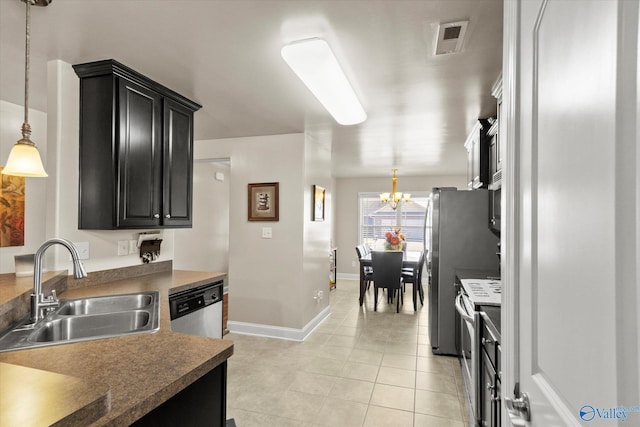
point(105, 304)
point(96, 325)
point(86, 319)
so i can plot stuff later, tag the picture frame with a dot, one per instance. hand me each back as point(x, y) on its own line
point(263, 201)
point(318, 203)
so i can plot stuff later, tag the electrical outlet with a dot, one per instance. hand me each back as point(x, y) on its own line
point(354, 263)
point(123, 247)
point(83, 250)
point(267, 232)
point(133, 246)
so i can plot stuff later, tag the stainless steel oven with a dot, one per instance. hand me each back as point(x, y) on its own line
point(467, 321)
point(472, 295)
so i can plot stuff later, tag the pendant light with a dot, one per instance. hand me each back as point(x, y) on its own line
point(394, 198)
point(24, 158)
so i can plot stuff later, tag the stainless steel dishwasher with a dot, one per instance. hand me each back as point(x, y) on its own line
point(198, 311)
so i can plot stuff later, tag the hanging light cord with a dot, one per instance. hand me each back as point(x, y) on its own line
point(26, 128)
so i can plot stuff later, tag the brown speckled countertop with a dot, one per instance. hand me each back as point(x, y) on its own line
point(141, 371)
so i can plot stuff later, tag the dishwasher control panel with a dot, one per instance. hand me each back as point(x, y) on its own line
point(188, 301)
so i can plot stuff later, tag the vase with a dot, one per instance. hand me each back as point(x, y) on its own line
point(390, 247)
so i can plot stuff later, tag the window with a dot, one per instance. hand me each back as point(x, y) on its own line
point(376, 218)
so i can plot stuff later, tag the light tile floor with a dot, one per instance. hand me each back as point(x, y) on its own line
point(358, 368)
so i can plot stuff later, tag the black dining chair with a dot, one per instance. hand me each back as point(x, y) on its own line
point(368, 271)
point(387, 273)
point(367, 248)
point(414, 276)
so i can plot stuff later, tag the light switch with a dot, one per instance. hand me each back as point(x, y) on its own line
point(267, 232)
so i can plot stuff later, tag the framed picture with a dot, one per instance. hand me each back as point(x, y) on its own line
point(263, 201)
point(318, 203)
point(12, 201)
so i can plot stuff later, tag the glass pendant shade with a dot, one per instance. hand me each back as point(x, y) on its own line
point(24, 160)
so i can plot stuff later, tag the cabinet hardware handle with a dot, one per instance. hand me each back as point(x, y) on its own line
point(167, 216)
point(486, 341)
point(156, 215)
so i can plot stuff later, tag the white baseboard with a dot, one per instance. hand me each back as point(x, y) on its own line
point(267, 331)
point(347, 276)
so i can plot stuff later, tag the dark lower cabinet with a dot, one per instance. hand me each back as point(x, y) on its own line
point(136, 150)
point(490, 395)
point(489, 376)
point(203, 403)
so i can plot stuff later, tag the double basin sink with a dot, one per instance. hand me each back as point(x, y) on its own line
point(86, 319)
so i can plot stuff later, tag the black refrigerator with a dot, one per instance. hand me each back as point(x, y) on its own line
point(460, 238)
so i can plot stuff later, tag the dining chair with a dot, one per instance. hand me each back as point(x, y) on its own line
point(387, 273)
point(414, 276)
point(368, 271)
point(367, 248)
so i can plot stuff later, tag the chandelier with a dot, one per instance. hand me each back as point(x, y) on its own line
point(395, 197)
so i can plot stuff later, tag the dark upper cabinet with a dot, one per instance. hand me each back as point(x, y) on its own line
point(136, 150)
point(477, 146)
point(495, 133)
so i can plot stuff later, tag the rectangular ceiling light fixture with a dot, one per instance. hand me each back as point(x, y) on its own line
point(315, 64)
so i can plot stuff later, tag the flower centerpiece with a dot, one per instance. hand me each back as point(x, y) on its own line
point(394, 240)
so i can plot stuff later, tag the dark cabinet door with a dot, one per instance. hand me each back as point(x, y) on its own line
point(493, 152)
point(178, 165)
point(139, 155)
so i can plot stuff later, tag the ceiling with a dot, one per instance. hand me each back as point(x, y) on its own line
point(225, 54)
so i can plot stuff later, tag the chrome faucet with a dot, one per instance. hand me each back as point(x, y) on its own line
point(38, 302)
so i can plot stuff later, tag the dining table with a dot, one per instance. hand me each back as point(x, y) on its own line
point(410, 259)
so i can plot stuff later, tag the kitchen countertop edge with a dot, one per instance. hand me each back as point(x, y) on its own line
point(171, 361)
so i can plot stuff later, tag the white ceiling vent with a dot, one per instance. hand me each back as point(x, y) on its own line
point(450, 37)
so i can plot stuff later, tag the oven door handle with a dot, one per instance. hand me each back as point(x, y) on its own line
point(461, 310)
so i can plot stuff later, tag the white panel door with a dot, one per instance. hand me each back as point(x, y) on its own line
point(572, 200)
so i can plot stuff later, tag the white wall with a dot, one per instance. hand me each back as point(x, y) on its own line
point(317, 234)
point(11, 118)
point(205, 246)
point(346, 199)
point(271, 280)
